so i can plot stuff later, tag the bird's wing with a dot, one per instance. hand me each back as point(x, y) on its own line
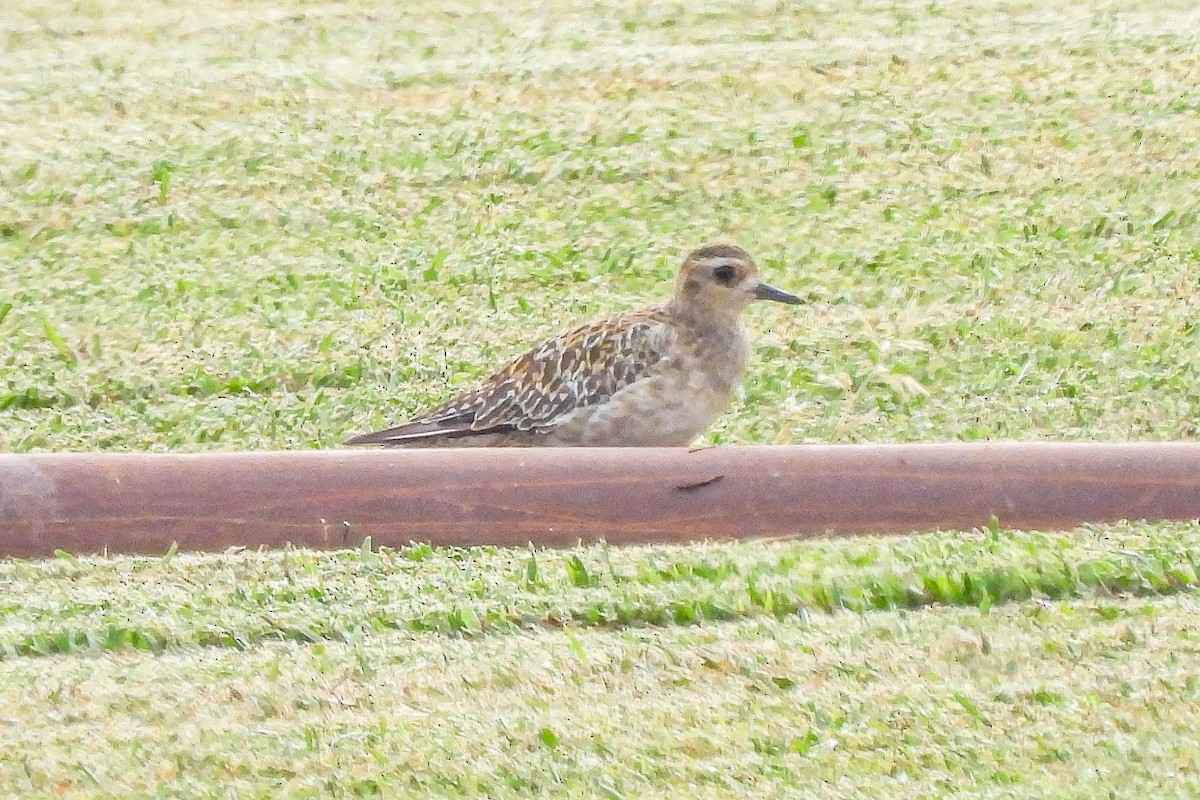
point(582, 367)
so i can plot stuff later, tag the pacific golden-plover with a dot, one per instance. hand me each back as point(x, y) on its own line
point(650, 378)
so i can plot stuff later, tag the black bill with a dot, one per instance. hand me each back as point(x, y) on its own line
point(766, 292)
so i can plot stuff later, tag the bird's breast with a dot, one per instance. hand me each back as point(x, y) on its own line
point(716, 355)
point(689, 388)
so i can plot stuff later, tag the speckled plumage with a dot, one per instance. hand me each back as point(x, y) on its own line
point(654, 377)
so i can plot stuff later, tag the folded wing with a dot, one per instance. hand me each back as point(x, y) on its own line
point(582, 367)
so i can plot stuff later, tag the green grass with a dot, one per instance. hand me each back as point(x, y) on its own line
point(997, 663)
point(273, 226)
point(238, 601)
point(993, 664)
point(269, 225)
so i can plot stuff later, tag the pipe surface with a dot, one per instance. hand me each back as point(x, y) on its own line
point(141, 503)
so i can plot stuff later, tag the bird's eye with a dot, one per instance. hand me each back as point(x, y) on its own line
point(725, 275)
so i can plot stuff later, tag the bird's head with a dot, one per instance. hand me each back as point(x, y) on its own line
point(720, 280)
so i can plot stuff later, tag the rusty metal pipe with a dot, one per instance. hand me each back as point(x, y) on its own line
point(128, 503)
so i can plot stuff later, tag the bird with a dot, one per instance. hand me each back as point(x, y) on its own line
point(655, 377)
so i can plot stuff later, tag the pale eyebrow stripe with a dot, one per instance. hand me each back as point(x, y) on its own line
point(720, 261)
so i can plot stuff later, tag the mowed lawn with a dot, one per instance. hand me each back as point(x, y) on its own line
point(252, 225)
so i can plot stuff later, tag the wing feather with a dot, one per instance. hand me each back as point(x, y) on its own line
point(583, 367)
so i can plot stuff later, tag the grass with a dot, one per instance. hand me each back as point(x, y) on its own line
point(240, 600)
point(875, 700)
point(989, 664)
point(273, 224)
point(279, 224)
